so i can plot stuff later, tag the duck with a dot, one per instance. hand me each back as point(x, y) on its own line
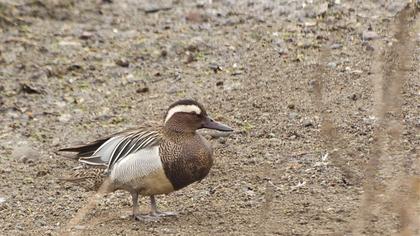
point(148, 161)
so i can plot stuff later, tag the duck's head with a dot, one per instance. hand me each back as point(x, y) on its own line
point(188, 115)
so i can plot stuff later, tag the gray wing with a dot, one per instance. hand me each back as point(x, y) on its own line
point(120, 146)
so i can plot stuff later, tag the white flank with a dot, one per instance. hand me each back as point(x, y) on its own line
point(142, 170)
point(182, 108)
point(137, 165)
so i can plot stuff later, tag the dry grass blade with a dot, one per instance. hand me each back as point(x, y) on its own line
point(390, 69)
point(90, 205)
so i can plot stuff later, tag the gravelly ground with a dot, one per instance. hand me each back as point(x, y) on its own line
point(313, 88)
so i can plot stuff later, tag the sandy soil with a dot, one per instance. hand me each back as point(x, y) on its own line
point(324, 97)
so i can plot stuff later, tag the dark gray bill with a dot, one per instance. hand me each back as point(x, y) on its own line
point(209, 123)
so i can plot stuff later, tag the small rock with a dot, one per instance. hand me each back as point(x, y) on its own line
point(308, 123)
point(250, 193)
point(310, 23)
point(104, 117)
point(74, 67)
point(354, 97)
point(336, 46)
point(219, 83)
point(195, 17)
point(2, 200)
point(153, 8)
point(122, 62)
point(142, 90)
point(40, 222)
point(19, 227)
point(86, 35)
point(55, 142)
point(369, 35)
point(293, 115)
point(64, 118)
point(41, 173)
point(80, 227)
point(232, 86)
point(216, 68)
point(332, 65)
point(236, 72)
point(25, 153)
point(291, 106)
point(29, 89)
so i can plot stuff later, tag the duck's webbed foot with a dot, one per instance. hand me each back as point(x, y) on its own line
point(145, 218)
point(163, 214)
point(154, 212)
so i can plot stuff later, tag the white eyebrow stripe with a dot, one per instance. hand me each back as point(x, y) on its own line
point(182, 108)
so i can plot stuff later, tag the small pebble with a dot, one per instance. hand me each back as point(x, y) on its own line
point(336, 46)
point(64, 118)
point(2, 200)
point(80, 227)
point(122, 62)
point(86, 35)
point(369, 35)
point(354, 97)
point(216, 68)
point(332, 65)
point(308, 123)
point(142, 90)
point(293, 115)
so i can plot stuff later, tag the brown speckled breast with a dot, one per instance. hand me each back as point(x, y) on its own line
point(186, 159)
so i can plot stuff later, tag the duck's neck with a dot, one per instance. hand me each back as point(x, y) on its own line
point(175, 127)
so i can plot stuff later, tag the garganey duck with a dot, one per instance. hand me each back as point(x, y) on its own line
point(148, 161)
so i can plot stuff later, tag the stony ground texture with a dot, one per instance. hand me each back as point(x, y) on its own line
point(324, 97)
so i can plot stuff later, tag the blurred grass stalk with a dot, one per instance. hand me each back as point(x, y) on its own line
point(401, 191)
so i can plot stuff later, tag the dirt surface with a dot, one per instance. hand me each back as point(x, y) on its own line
point(324, 97)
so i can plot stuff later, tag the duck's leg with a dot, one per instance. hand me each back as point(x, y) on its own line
point(136, 211)
point(154, 211)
